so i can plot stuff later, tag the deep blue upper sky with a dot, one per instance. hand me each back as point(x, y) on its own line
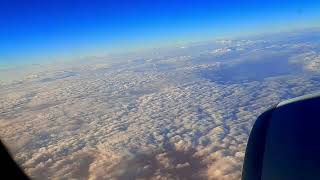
point(62, 29)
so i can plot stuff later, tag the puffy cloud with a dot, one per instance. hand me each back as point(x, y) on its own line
point(310, 60)
point(220, 51)
point(144, 118)
point(224, 168)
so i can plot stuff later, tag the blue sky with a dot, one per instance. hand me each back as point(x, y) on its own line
point(44, 30)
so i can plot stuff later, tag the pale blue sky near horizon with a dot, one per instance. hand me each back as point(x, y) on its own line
point(43, 31)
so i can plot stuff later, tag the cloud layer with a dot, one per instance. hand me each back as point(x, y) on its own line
point(151, 116)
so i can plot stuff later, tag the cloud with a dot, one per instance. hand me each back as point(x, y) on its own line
point(153, 120)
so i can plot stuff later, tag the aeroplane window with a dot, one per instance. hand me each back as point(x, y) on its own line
point(147, 89)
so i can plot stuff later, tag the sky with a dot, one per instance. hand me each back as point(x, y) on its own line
point(46, 30)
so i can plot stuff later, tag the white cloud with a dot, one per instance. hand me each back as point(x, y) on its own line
point(113, 121)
